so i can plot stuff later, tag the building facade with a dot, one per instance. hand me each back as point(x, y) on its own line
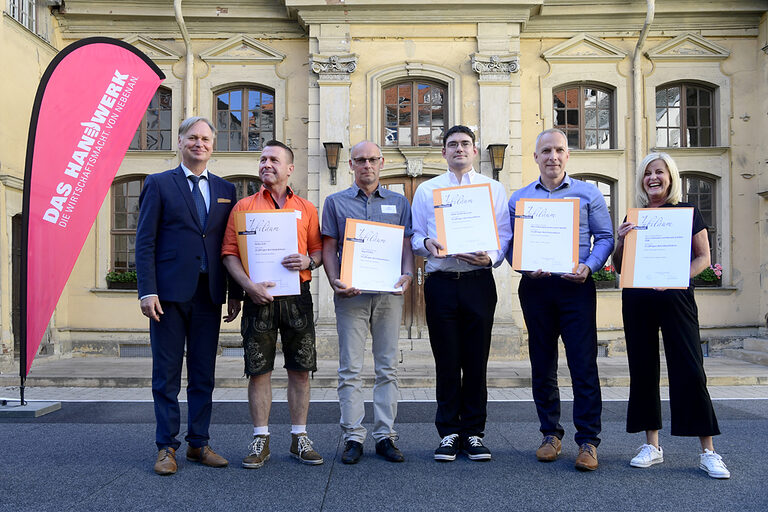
point(310, 72)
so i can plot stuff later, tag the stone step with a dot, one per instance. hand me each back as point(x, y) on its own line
point(756, 344)
point(750, 356)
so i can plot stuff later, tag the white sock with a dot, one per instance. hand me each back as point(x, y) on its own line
point(261, 431)
point(298, 429)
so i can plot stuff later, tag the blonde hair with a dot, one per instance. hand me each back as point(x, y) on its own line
point(675, 194)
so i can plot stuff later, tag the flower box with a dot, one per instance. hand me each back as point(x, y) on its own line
point(121, 285)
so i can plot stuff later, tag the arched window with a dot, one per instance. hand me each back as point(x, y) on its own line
point(125, 217)
point(700, 191)
point(154, 131)
point(585, 113)
point(245, 118)
point(414, 113)
point(684, 116)
point(245, 187)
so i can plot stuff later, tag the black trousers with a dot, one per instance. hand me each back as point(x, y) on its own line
point(460, 318)
point(676, 314)
point(194, 324)
point(553, 308)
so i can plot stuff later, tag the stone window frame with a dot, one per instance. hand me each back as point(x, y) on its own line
point(601, 87)
point(683, 84)
point(713, 231)
point(142, 129)
point(114, 232)
point(378, 79)
point(414, 82)
point(242, 87)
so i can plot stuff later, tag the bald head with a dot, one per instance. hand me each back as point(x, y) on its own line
point(366, 162)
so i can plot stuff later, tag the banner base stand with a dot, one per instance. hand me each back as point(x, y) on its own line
point(13, 409)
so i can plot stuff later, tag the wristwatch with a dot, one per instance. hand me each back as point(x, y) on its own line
point(312, 265)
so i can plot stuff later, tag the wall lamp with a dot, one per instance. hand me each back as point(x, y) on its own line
point(332, 153)
point(497, 158)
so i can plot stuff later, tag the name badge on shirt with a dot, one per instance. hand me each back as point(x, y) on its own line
point(388, 208)
point(298, 214)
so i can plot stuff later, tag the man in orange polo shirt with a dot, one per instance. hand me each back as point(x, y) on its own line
point(264, 315)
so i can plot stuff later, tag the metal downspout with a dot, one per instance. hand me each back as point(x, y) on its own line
point(189, 97)
point(637, 87)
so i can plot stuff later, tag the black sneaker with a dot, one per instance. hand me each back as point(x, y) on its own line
point(475, 449)
point(448, 448)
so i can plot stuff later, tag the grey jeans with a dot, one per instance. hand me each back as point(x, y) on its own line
point(380, 314)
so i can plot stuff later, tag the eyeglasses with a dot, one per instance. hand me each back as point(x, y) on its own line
point(465, 144)
point(361, 161)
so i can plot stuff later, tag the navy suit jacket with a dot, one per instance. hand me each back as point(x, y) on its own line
point(170, 240)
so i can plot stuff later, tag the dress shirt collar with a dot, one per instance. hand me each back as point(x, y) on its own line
point(188, 173)
point(356, 190)
point(265, 191)
point(466, 178)
point(566, 183)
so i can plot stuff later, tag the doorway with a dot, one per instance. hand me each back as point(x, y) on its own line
point(414, 319)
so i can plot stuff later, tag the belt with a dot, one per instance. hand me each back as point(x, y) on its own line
point(470, 274)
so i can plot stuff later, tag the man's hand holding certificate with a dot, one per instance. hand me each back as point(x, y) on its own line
point(266, 239)
point(465, 220)
point(546, 235)
point(657, 252)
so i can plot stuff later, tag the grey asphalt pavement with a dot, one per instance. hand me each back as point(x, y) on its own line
point(99, 456)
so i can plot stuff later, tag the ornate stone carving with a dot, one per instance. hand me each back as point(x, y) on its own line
point(333, 67)
point(414, 167)
point(495, 67)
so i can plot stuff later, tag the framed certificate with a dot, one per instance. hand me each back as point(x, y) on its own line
point(264, 238)
point(465, 219)
point(372, 255)
point(657, 253)
point(546, 235)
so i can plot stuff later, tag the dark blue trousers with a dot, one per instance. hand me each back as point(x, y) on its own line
point(194, 324)
point(553, 308)
point(460, 318)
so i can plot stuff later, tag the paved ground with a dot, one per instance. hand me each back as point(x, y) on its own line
point(98, 456)
point(415, 371)
point(96, 453)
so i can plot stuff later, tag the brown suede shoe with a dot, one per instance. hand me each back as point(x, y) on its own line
point(587, 459)
point(549, 450)
point(166, 462)
point(206, 456)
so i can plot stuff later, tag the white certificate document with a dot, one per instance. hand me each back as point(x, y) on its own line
point(264, 238)
point(546, 235)
point(465, 219)
point(372, 255)
point(657, 253)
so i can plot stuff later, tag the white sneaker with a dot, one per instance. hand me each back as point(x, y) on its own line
point(647, 456)
point(713, 464)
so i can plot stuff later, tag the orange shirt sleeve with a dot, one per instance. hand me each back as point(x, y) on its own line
point(229, 243)
point(314, 240)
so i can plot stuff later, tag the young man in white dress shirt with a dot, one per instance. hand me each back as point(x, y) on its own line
point(460, 297)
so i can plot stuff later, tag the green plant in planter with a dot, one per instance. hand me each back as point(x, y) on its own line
point(128, 276)
point(607, 273)
point(713, 274)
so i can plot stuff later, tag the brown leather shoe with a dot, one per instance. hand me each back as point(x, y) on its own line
point(206, 456)
point(587, 459)
point(549, 450)
point(166, 462)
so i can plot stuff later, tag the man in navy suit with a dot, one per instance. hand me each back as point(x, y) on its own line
point(182, 284)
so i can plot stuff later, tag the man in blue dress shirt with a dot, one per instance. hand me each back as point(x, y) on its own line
point(565, 306)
